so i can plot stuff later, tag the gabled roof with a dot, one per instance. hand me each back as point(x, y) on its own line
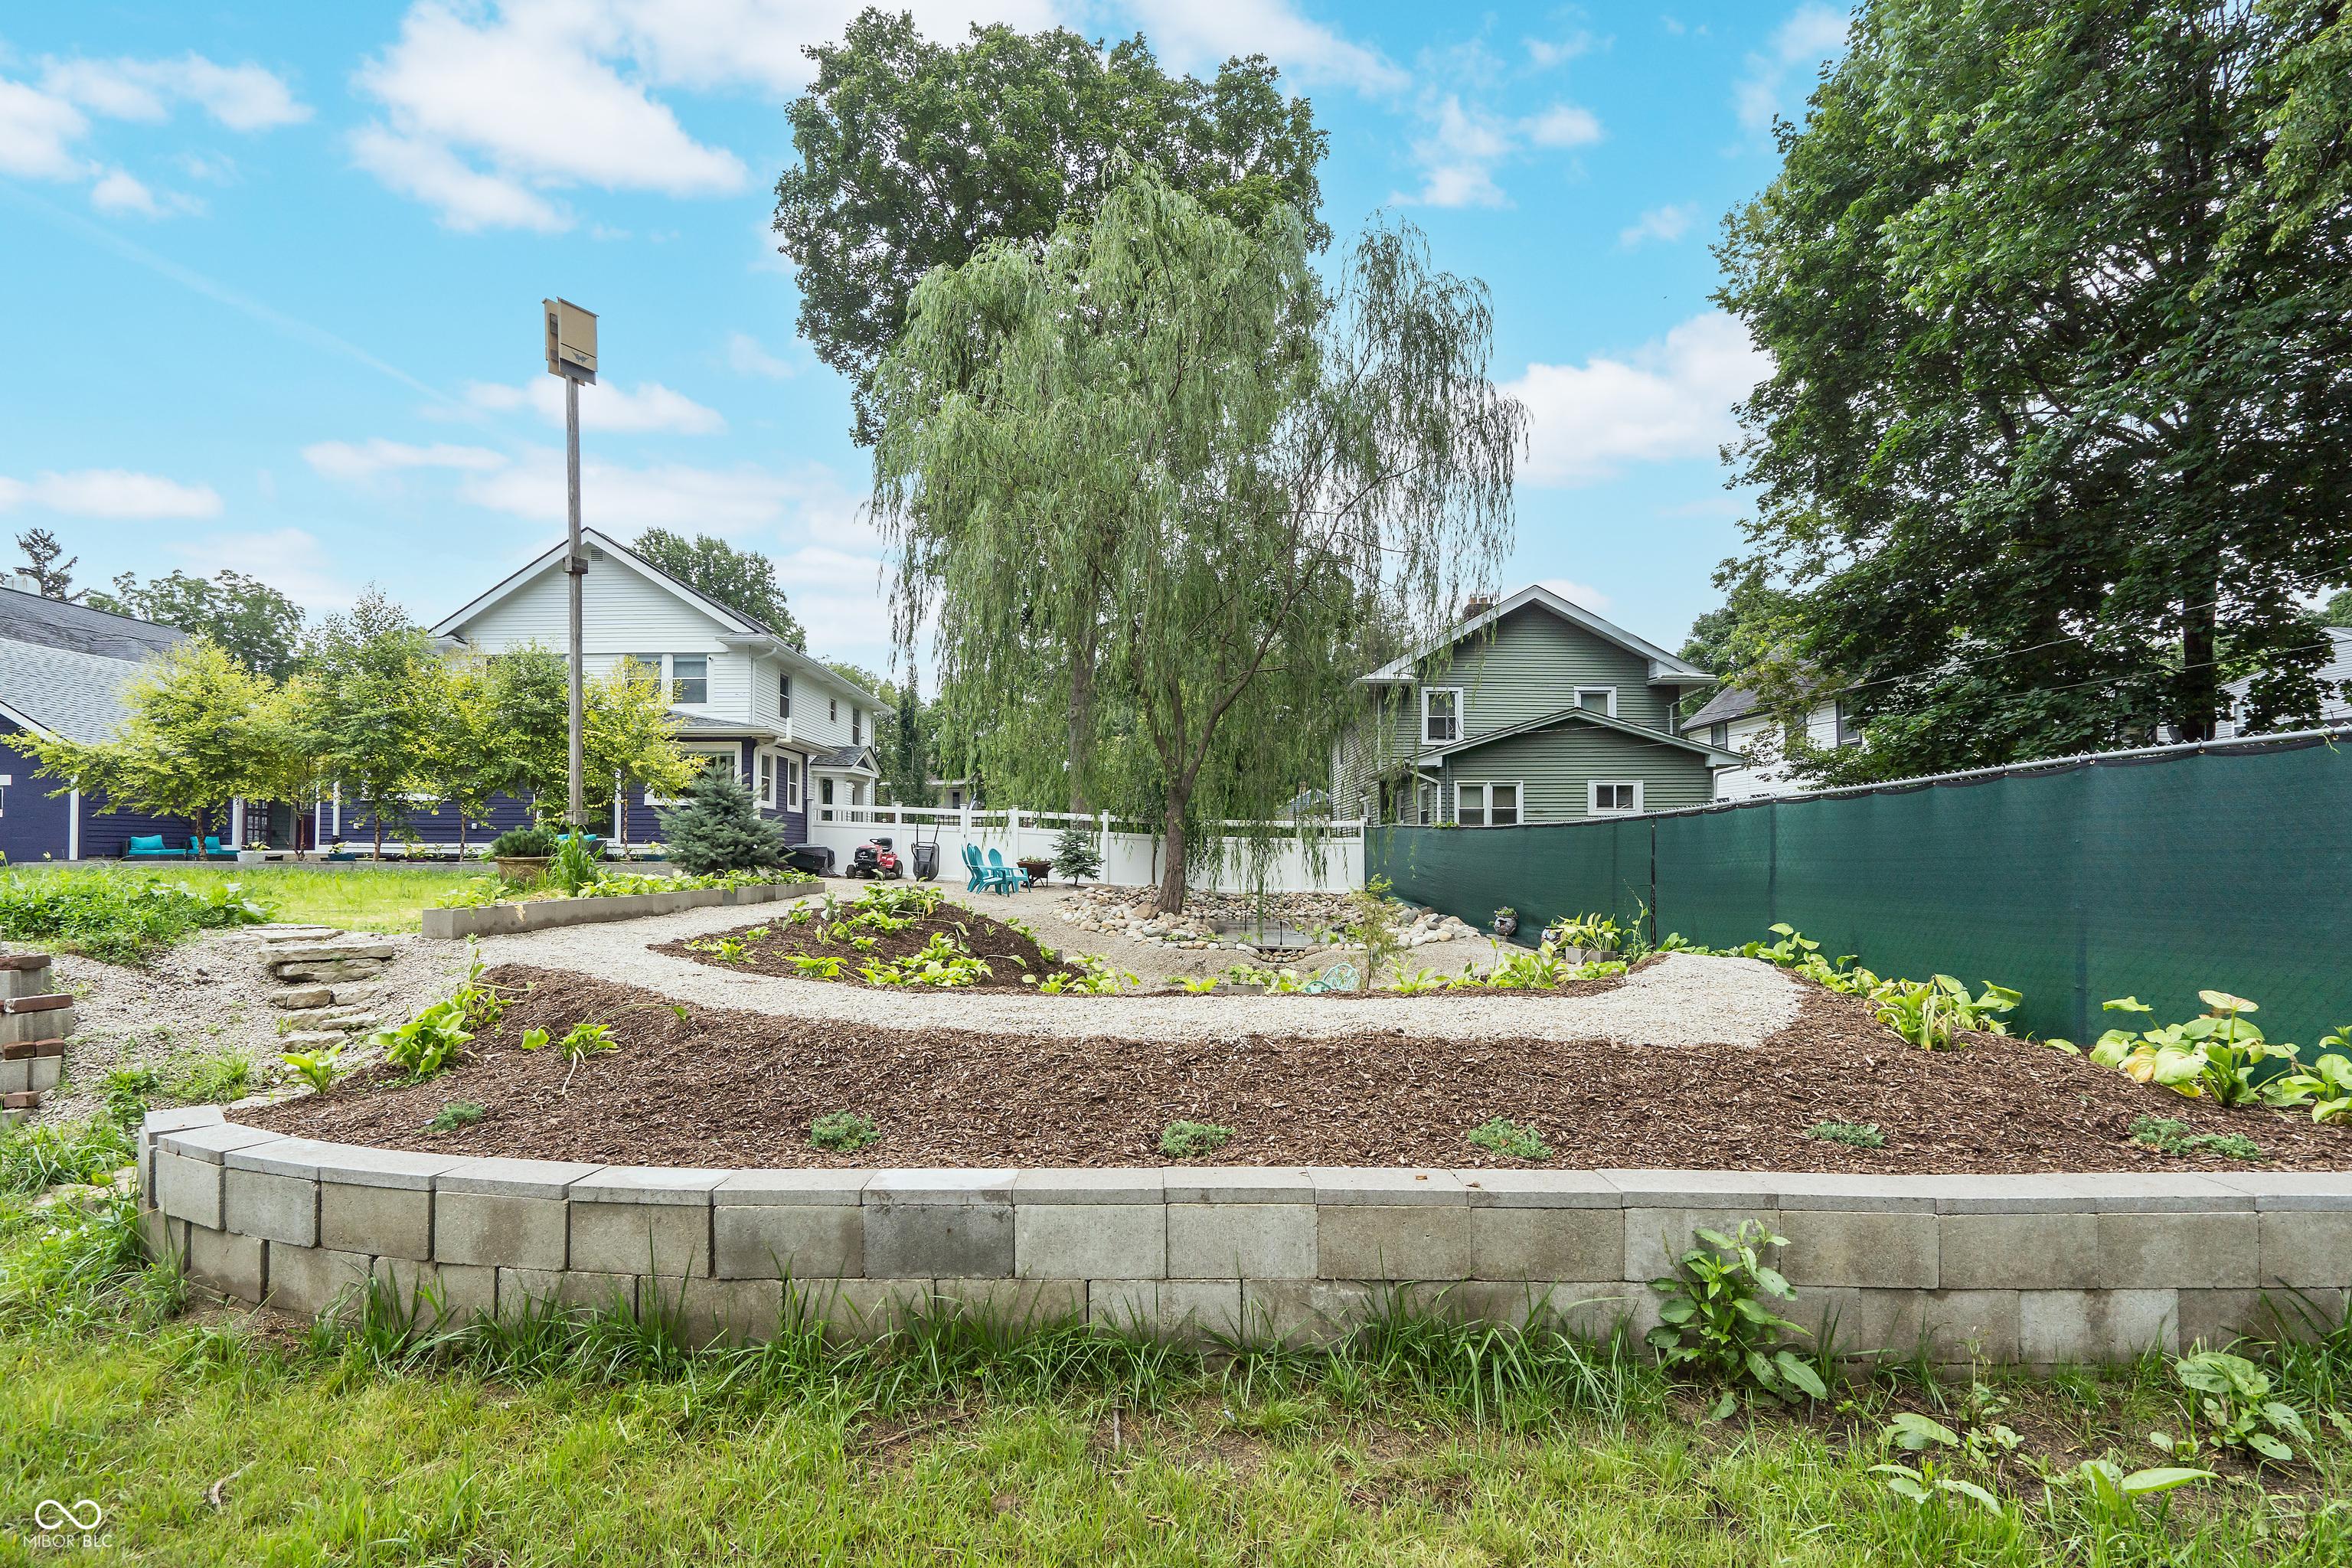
point(59, 691)
point(734, 621)
point(56, 623)
point(1586, 716)
point(846, 759)
point(1665, 668)
point(1731, 703)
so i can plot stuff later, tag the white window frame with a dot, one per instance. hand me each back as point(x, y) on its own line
point(768, 778)
point(783, 696)
point(1485, 808)
point(833, 710)
point(714, 749)
point(1592, 798)
point(1608, 693)
point(1426, 693)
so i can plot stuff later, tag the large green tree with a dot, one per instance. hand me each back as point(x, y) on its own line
point(743, 580)
point(913, 155)
point(2048, 453)
point(1161, 431)
point(260, 626)
point(375, 709)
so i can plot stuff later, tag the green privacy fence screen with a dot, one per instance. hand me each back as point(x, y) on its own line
point(2159, 875)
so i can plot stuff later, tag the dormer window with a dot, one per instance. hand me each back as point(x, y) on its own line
point(1441, 714)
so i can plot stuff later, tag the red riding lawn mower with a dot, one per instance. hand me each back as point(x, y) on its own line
point(877, 859)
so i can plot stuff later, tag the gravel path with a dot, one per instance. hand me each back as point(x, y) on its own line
point(1681, 1001)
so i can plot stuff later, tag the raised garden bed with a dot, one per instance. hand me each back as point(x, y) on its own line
point(707, 1087)
point(542, 914)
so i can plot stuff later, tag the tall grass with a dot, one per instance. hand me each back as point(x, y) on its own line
point(120, 916)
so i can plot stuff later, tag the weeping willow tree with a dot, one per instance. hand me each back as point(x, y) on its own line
point(1163, 489)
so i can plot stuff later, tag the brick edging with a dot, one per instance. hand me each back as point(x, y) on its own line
point(2039, 1269)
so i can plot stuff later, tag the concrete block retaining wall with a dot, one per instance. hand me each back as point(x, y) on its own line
point(2041, 1270)
point(449, 925)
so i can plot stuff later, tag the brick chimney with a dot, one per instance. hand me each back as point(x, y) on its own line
point(1477, 605)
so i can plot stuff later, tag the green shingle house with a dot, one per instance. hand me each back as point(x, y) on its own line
point(1530, 710)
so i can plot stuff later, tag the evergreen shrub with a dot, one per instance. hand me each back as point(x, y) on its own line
point(719, 829)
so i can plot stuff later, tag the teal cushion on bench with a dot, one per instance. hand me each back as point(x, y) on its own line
point(152, 845)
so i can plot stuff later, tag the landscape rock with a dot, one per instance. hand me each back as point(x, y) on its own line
point(308, 951)
point(303, 996)
point(349, 969)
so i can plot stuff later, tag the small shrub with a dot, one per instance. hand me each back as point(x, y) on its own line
point(524, 844)
point(2166, 1136)
point(126, 1090)
point(1714, 1319)
point(1371, 925)
point(1855, 1134)
point(1187, 1140)
point(1074, 854)
point(719, 829)
point(457, 1114)
point(316, 1068)
point(573, 868)
point(840, 1131)
point(1510, 1140)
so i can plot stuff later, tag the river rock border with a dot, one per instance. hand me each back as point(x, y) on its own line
point(492, 920)
point(2042, 1270)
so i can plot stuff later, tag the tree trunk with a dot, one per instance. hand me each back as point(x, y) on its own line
point(1082, 714)
point(378, 817)
point(1171, 855)
point(2199, 677)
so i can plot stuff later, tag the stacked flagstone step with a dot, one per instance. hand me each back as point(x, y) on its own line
point(326, 979)
point(34, 1023)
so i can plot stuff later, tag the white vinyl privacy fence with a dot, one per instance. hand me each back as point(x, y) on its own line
point(1317, 855)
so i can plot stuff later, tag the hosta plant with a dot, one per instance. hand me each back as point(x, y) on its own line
point(2232, 1396)
point(429, 1042)
point(316, 1068)
point(2219, 1055)
point(1929, 1012)
point(1713, 1319)
point(2326, 1085)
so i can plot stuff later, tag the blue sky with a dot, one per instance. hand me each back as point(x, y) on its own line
point(273, 273)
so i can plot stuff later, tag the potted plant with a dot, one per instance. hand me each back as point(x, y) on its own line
point(1507, 921)
point(522, 853)
point(1035, 868)
point(335, 851)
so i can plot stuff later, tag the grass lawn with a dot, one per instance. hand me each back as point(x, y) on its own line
point(357, 898)
point(599, 1443)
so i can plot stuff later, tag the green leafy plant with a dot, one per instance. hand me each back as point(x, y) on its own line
point(1539, 969)
point(840, 1131)
point(2326, 1085)
point(584, 1040)
point(2232, 1394)
point(2116, 1495)
point(1512, 1139)
point(1856, 1135)
point(573, 868)
point(428, 1044)
point(1587, 931)
point(2166, 1136)
point(457, 1114)
point(1923, 1482)
point(1371, 925)
point(1189, 1139)
point(2219, 1055)
point(816, 966)
point(316, 1068)
point(534, 1039)
point(211, 1081)
point(1929, 1012)
point(1419, 981)
point(1713, 1319)
point(126, 1090)
point(1198, 986)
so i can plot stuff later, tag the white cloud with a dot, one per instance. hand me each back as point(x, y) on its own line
point(746, 357)
point(111, 494)
point(289, 559)
point(1670, 399)
point(1668, 224)
point(622, 501)
point(41, 127)
point(1592, 599)
point(243, 97)
point(1813, 33)
point(1546, 54)
point(1462, 146)
point(1187, 35)
point(604, 406)
point(468, 199)
point(366, 459)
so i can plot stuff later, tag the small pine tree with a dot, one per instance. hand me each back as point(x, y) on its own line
point(718, 829)
point(1074, 854)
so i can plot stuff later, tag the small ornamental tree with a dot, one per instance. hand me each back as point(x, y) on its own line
point(718, 830)
point(1074, 854)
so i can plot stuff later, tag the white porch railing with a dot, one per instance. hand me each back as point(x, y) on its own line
point(1328, 857)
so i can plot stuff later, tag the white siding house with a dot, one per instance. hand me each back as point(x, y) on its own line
point(1733, 720)
point(2334, 710)
point(799, 733)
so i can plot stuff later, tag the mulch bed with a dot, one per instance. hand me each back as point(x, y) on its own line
point(1010, 956)
point(717, 1086)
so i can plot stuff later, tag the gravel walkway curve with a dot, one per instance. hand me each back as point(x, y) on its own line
point(1682, 1001)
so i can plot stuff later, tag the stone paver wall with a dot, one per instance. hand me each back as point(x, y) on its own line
point(2039, 1269)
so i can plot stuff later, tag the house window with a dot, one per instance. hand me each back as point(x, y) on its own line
point(1425, 803)
point(1614, 796)
point(1849, 732)
point(1598, 700)
point(767, 779)
point(1719, 736)
point(1487, 804)
point(791, 784)
point(650, 663)
point(857, 726)
point(689, 678)
point(955, 800)
point(731, 759)
point(783, 697)
point(833, 710)
point(1441, 714)
point(825, 792)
